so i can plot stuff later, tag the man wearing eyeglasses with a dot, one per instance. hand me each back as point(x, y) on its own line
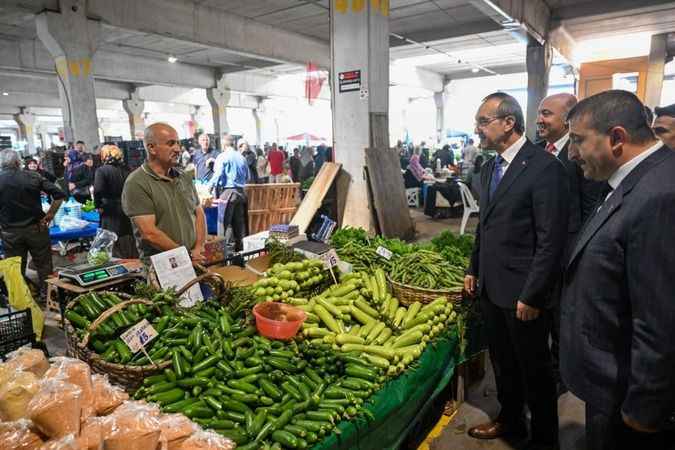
point(515, 265)
point(162, 201)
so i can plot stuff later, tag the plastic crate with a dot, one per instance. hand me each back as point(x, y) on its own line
point(16, 330)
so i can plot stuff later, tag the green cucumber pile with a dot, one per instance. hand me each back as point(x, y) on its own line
point(286, 280)
point(360, 317)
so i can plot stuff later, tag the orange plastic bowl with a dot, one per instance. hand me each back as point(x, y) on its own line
point(276, 320)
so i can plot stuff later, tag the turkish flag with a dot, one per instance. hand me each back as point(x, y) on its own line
point(313, 82)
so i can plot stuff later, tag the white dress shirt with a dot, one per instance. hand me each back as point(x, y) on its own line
point(623, 171)
point(560, 143)
point(510, 153)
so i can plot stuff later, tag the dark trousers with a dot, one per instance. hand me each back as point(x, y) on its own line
point(448, 190)
point(608, 432)
point(32, 239)
point(521, 360)
point(235, 216)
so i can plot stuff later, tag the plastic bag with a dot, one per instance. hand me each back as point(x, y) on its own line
point(101, 248)
point(19, 295)
point(18, 435)
point(28, 359)
point(16, 394)
point(64, 443)
point(133, 426)
point(175, 428)
point(55, 409)
point(78, 373)
point(106, 396)
point(207, 440)
point(91, 434)
point(71, 223)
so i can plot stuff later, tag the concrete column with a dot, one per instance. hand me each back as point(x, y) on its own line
point(658, 57)
point(439, 99)
point(26, 121)
point(219, 97)
point(360, 96)
point(41, 131)
point(71, 39)
point(538, 68)
point(257, 112)
point(134, 107)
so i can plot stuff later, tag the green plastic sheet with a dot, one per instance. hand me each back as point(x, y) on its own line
point(399, 403)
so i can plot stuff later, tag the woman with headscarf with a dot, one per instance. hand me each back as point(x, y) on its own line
point(77, 176)
point(108, 185)
point(32, 165)
point(415, 173)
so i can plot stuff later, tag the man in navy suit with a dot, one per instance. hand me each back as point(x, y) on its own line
point(514, 267)
point(617, 338)
point(553, 128)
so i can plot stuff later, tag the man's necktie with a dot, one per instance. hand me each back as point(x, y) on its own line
point(497, 173)
point(550, 148)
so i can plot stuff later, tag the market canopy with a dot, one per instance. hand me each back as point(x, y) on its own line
point(305, 137)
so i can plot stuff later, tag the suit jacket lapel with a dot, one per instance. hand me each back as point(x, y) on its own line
point(517, 166)
point(564, 156)
point(614, 202)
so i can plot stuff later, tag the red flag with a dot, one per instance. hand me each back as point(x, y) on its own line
point(313, 82)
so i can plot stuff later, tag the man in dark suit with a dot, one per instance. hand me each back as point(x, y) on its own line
point(618, 313)
point(515, 264)
point(584, 193)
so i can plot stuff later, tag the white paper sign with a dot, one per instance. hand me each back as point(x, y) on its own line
point(330, 259)
point(384, 252)
point(139, 335)
point(174, 269)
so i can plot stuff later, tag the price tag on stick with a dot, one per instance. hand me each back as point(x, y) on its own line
point(384, 252)
point(138, 336)
point(330, 259)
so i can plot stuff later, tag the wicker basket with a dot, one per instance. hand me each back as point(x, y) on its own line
point(408, 295)
point(129, 377)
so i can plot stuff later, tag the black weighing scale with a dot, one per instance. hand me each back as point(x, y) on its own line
point(89, 274)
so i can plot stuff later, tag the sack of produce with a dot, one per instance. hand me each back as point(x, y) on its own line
point(16, 393)
point(207, 440)
point(55, 409)
point(137, 406)
point(101, 248)
point(91, 434)
point(133, 426)
point(76, 372)
point(175, 429)
point(29, 359)
point(18, 436)
point(65, 443)
point(106, 396)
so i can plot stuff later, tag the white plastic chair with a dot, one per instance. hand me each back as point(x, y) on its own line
point(470, 205)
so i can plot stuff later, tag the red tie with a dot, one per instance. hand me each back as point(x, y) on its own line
point(550, 148)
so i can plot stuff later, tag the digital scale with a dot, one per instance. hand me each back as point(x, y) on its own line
point(88, 274)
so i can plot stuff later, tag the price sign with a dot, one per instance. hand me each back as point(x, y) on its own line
point(384, 252)
point(330, 259)
point(139, 335)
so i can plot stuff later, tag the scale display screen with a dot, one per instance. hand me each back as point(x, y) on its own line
point(95, 274)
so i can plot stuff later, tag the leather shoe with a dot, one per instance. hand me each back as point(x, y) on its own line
point(494, 430)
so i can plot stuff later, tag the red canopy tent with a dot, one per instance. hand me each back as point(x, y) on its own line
point(305, 137)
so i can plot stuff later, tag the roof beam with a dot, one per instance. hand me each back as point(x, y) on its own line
point(519, 16)
point(501, 70)
point(437, 34)
point(602, 7)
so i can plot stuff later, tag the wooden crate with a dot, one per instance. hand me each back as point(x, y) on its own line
point(270, 204)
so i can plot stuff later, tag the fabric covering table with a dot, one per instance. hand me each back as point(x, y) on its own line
point(401, 403)
point(91, 216)
point(56, 234)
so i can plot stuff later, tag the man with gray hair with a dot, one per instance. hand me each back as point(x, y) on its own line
point(161, 200)
point(515, 265)
point(24, 226)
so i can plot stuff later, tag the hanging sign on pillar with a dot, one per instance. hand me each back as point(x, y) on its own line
point(349, 81)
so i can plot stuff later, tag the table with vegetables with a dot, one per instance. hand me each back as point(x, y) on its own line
point(359, 369)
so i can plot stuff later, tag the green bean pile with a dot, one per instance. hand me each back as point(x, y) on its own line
point(429, 270)
point(363, 258)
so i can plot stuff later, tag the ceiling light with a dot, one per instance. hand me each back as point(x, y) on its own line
point(5, 93)
point(475, 70)
point(172, 59)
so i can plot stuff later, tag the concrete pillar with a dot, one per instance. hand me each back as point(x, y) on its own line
point(26, 121)
point(257, 113)
point(134, 107)
point(219, 97)
point(71, 39)
point(360, 95)
point(439, 99)
point(658, 57)
point(41, 132)
point(538, 68)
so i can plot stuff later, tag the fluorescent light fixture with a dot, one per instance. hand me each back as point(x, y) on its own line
point(5, 93)
point(172, 59)
point(475, 70)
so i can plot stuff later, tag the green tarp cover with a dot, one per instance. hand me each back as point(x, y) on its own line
point(397, 405)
